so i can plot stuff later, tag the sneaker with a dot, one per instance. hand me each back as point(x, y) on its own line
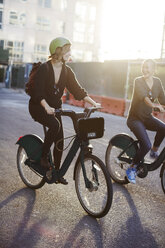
point(131, 175)
point(154, 154)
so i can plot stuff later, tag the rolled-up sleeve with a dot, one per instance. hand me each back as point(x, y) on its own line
point(39, 85)
point(73, 85)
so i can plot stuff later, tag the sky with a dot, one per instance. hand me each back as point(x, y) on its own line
point(132, 29)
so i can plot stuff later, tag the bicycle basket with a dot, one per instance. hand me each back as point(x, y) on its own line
point(91, 128)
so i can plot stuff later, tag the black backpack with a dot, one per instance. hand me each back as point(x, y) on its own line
point(29, 86)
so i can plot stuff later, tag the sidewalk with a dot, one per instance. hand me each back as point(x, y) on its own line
point(2, 85)
point(18, 90)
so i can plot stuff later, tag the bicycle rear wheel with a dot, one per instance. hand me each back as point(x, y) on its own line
point(29, 176)
point(97, 199)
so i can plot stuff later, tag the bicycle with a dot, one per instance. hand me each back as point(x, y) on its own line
point(119, 155)
point(92, 180)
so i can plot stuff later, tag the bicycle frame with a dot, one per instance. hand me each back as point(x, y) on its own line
point(69, 158)
point(150, 166)
point(79, 142)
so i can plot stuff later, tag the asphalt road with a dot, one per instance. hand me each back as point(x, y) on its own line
point(52, 217)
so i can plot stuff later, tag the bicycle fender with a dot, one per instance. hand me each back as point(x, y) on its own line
point(32, 144)
point(122, 141)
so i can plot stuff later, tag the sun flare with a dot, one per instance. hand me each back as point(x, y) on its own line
point(132, 29)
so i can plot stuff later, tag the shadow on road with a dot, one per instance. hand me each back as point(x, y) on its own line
point(21, 234)
point(86, 223)
point(133, 234)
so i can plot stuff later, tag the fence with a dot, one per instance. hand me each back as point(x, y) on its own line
point(109, 83)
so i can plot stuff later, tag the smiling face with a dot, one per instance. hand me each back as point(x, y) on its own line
point(148, 68)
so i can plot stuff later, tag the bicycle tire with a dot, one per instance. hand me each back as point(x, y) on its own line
point(96, 200)
point(31, 178)
point(116, 168)
point(163, 178)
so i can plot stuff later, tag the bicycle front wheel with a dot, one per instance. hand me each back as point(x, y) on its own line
point(116, 168)
point(96, 199)
point(163, 179)
point(29, 176)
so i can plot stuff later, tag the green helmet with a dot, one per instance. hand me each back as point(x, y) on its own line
point(58, 42)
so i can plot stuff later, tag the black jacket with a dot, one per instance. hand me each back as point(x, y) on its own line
point(45, 87)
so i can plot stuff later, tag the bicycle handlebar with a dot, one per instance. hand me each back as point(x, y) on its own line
point(86, 113)
point(158, 110)
point(77, 115)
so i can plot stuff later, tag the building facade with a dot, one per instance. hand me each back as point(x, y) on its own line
point(28, 26)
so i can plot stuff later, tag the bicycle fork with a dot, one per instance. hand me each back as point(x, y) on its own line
point(89, 185)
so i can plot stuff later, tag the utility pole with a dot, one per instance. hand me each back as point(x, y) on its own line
point(162, 56)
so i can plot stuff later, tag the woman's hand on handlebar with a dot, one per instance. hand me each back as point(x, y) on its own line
point(49, 110)
point(97, 105)
point(159, 108)
point(89, 100)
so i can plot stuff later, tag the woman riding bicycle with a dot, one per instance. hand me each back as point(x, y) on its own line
point(148, 93)
point(51, 79)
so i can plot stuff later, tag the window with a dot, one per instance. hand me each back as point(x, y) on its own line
point(77, 55)
point(22, 19)
point(44, 3)
point(79, 26)
point(16, 49)
point(16, 18)
point(90, 38)
point(85, 11)
point(88, 56)
point(64, 4)
point(61, 27)
point(92, 13)
point(13, 18)
point(1, 16)
point(1, 43)
point(40, 53)
point(40, 48)
point(79, 32)
point(43, 23)
point(78, 37)
point(81, 10)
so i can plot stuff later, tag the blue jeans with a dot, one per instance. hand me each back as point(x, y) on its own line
point(139, 129)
